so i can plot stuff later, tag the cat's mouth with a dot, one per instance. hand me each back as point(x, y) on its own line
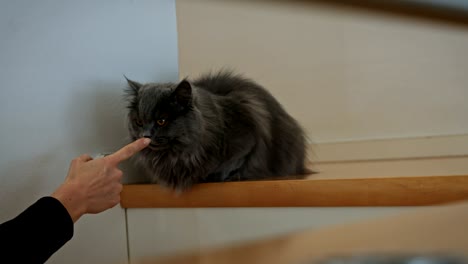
point(154, 146)
point(159, 143)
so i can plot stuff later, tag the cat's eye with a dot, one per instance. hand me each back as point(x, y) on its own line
point(161, 122)
point(138, 122)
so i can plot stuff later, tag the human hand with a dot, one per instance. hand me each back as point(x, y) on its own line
point(93, 185)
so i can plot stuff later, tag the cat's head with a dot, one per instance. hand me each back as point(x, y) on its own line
point(163, 112)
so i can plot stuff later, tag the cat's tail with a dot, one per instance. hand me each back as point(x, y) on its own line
point(299, 175)
point(305, 172)
point(308, 171)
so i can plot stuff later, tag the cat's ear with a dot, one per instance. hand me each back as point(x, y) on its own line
point(134, 86)
point(183, 93)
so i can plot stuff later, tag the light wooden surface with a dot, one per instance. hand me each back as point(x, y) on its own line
point(403, 191)
point(440, 229)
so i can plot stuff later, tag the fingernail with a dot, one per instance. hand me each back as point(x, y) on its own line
point(146, 141)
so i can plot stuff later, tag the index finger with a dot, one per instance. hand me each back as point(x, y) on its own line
point(129, 150)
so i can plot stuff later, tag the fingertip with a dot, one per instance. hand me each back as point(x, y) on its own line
point(146, 141)
point(129, 150)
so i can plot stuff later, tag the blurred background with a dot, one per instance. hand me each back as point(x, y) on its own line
point(360, 79)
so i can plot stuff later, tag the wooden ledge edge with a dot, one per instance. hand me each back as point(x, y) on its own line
point(393, 191)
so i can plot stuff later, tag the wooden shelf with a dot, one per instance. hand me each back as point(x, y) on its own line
point(401, 191)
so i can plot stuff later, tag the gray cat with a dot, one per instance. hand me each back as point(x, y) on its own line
point(220, 127)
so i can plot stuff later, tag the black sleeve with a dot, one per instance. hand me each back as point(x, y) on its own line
point(35, 234)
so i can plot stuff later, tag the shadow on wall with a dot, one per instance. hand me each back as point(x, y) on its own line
point(93, 122)
point(96, 117)
point(102, 128)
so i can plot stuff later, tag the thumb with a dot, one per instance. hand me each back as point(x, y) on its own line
point(84, 158)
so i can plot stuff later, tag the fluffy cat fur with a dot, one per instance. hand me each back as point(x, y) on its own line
point(219, 127)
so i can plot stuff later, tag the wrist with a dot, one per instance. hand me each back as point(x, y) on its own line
point(71, 198)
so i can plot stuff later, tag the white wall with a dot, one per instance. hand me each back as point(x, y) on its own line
point(165, 231)
point(61, 66)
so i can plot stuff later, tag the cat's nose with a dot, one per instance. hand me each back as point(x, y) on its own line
point(146, 135)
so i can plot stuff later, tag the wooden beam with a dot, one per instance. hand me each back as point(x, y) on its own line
point(401, 191)
point(433, 12)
